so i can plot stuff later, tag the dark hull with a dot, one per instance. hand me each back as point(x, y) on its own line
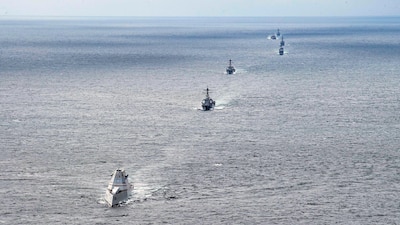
point(281, 52)
point(207, 108)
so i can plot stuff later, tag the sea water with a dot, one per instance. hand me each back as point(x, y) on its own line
point(310, 137)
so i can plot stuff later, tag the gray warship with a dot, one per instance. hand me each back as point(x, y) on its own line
point(230, 69)
point(281, 51)
point(119, 189)
point(207, 103)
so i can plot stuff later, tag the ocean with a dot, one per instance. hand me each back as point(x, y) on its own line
point(309, 137)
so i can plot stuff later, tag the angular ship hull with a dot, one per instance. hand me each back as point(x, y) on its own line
point(117, 198)
point(119, 189)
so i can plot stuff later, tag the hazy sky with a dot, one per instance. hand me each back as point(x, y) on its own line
point(200, 7)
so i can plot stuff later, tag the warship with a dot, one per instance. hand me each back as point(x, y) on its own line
point(119, 188)
point(207, 103)
point(230, 69)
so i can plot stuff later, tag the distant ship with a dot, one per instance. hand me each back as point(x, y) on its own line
point(119, 189)
point(281, 51)
point(230, 69)
point(282, 42)
point(275, 36)
point(208, 103)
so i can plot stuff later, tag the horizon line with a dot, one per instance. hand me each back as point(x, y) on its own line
point(222, 16)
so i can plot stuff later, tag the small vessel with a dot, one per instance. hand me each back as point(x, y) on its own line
point(207, 103)
point(281, 51)
point(119, 189)
point(278, 33)
point(282, 42)
point(230, 69)
point(272, 37)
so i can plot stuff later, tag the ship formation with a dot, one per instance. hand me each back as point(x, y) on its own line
point(119, 189)
point(276, 36)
